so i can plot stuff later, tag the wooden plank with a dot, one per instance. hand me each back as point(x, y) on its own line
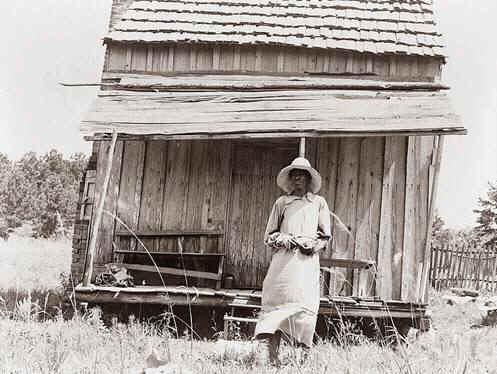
point(258, 58)
point(393, 66)
point(116, 57)
point(171, 271)
point(129, 58)
point(327, 164)
point(478, 271)
point(156, 58)
point(261, 81)
point(150, 58)
point(220, 172)
point(345, 206)
point(424, 214)
point(391, 237)
point(494, 275)
point(269, 59)
point(348, 263)
point(105, 237)
point(181, 57)
point(88, 276)
point(311, 60)
point(162, 253)
point(338, 62)
point(197, 192)
point(139, 58)
point(170, 58)
point(164, 59)
point(459, 264)
point(381, 65)
point(216, 55)
point(226, 58)
point(176, 187)
point(409, 248)
point(434, 266)
point(281, 60)
point(152, 113)
point(247, 59)
point(171, 233)
point(237, 59)
point(302, 58)
point(193, 58)
point(291, 60)
point(369, 208)
point(153, 190)
point(130, 184)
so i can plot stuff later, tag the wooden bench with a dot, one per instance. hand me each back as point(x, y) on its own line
point(181, 255)
point(361, 268)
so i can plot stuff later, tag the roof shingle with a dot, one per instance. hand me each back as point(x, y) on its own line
point(377, 26)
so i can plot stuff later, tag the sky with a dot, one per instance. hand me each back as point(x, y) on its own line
point(52, 41)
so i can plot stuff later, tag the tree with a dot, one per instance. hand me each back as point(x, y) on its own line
point(439, 234)
point(487, 216)
point(40, 190)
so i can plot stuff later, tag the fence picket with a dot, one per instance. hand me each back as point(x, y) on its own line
point(463, 265)
point(494, 280)
point(460, 252)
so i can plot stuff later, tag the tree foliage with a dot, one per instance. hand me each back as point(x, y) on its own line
point(487, 216)
point(38, 189)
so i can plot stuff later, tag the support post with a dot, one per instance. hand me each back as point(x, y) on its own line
point(431, 212)
point(302, 147)
point(100, 210)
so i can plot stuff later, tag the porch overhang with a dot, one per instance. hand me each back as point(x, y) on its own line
point(192, 107)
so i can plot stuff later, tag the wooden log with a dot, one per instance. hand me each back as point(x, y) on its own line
point(100, 210)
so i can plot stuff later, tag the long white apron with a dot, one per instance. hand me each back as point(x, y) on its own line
point(291, 290)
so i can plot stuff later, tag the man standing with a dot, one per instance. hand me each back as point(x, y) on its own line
point(298, 228)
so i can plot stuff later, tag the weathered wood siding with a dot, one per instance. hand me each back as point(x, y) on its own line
point(379, 186)
point(125, 57)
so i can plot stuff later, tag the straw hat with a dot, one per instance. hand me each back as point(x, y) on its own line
point(283, 179)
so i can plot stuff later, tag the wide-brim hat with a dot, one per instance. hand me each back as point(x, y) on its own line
point(283, 180)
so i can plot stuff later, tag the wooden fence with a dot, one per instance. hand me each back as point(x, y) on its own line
point(464, 266)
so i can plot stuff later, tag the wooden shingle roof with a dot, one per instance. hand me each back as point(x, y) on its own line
point(374, 26)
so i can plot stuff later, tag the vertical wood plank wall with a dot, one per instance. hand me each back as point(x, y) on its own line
point(125, 57)
point(379, 187)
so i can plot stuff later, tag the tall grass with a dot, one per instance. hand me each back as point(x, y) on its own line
point(33, 264)
point(32, 343)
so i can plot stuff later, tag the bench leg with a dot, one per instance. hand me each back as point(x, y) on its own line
point(220, 273)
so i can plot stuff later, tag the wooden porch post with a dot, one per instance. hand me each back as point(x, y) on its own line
point(431, 212)
point(302, 147)
point(100, 210)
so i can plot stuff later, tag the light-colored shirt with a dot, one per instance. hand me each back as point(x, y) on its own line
point(307, 216)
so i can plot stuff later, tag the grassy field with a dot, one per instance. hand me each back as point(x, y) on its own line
point(36, 340)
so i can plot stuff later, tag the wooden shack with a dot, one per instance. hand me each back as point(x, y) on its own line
point(211, 98)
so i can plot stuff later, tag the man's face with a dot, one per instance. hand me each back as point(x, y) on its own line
point(300, 179)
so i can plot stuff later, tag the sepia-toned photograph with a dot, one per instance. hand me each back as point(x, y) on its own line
point(248, 186)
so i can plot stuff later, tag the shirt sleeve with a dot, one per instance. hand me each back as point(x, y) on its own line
point(273, 223)
point(324, 221)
